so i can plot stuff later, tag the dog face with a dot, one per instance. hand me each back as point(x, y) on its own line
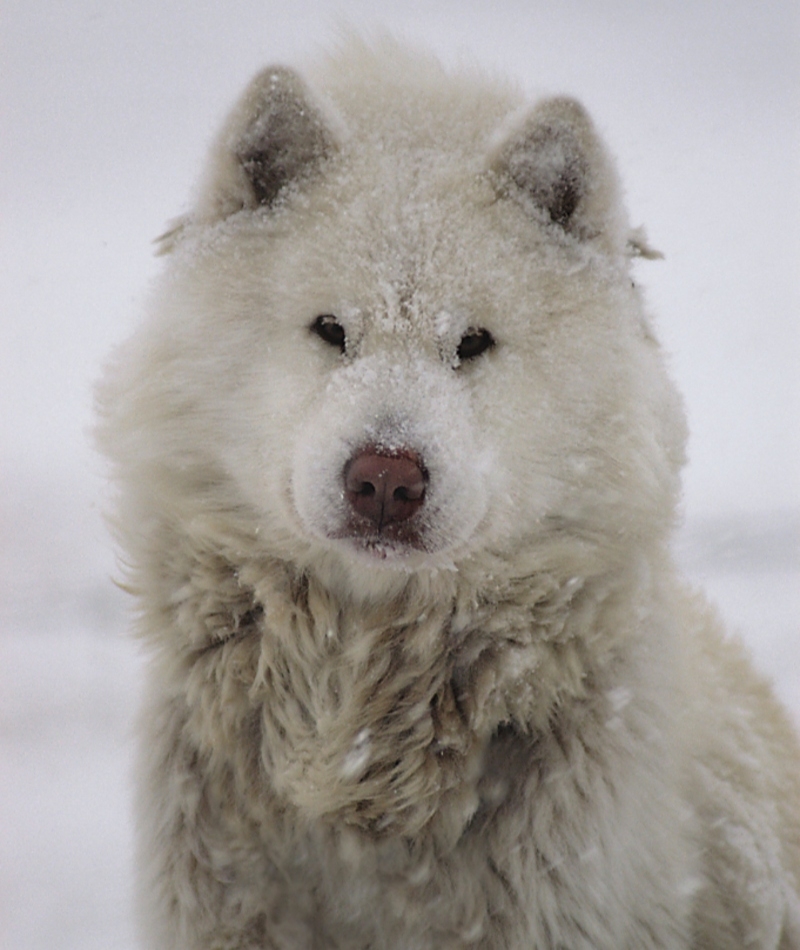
point(404, 340)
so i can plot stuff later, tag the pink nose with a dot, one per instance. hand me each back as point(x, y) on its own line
point(384, 489)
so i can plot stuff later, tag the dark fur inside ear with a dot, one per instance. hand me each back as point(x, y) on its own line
point(550, 169)
point(550, 160)
point(286, 136)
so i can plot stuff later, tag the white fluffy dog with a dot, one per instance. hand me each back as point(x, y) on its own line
point(398, 463)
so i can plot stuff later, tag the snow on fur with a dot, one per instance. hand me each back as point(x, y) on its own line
point(398, 463)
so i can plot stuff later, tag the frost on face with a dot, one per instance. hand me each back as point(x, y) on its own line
point(442, 324)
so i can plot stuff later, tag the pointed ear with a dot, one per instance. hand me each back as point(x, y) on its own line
point(275, 136)
point(555, 162)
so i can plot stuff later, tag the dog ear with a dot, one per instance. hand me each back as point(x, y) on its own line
point(275, 136)
point(554, 160)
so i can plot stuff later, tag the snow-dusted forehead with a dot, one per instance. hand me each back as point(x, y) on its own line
point(407, 243)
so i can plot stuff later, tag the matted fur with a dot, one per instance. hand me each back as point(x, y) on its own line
point(511, 726)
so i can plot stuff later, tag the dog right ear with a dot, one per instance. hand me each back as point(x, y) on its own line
point(555, 163)
point(275, 136)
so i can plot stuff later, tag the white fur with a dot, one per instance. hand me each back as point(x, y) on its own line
point(521, 732)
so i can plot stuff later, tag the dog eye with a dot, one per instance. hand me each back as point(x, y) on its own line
point(473, 343)
point(328, 328)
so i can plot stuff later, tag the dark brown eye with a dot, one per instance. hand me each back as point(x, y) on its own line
point(328, 328)
point(473, 343)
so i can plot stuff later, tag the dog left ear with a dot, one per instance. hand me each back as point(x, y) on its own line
point(276, 136)
point(555, 161)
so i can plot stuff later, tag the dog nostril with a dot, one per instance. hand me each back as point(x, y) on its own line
point(384, 489)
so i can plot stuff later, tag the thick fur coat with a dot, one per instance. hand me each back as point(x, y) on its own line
point(398, 462)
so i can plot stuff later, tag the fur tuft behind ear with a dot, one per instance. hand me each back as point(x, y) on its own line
point(275, 136)
point(556, 162)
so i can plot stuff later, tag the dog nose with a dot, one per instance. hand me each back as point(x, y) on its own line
point(385, 488)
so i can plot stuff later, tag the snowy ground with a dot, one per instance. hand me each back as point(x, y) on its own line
point(106, 111)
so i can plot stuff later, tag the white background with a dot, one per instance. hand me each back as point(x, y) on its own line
point(107, 109)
